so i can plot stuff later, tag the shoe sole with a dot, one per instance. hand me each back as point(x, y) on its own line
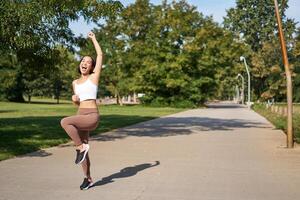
point(89, 186)
point(86, 151)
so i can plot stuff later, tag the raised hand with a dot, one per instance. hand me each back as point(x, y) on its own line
point(91, 35)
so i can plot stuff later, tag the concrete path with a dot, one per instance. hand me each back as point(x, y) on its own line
point(224, 152)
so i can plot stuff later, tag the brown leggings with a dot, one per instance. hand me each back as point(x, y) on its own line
point(78, 128)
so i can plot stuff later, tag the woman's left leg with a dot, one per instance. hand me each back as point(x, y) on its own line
point(86, 164)
point(84, 136)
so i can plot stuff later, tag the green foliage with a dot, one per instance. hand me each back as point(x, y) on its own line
point(159, 102)
point(254, 22)
point(170, 52)
point(279, 121)
point(268, 72)
point(29, 34)
point(295, 60)
point(183, 104)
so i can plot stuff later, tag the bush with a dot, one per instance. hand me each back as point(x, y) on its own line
point(159, 102)
point(183, 104)
point(146, 99)
point(163, 102)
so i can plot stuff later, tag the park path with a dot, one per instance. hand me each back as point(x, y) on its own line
point(224, 152)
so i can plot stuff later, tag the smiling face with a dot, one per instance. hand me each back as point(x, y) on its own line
point(86, 65)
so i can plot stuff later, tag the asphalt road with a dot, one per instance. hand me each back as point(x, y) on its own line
point(224, 152)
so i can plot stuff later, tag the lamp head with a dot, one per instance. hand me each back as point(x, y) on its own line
point(242, 58)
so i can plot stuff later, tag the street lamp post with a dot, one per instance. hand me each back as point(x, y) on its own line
point(237, 95)
point(243, 95)
point(242, 58)
point(290, 136)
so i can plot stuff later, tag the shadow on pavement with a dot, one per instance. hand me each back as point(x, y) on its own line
point(172, 126)
point(225, 106)
point(40, 153)
point(124, 173)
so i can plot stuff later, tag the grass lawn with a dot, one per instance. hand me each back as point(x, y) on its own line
point(27, 127)
point(279, 121)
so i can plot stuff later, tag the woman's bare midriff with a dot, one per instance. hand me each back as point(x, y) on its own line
point(88, 104)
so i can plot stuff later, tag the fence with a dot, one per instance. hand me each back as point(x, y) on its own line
point(281, 109)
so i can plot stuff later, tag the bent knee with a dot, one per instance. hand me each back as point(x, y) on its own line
point(63, 122)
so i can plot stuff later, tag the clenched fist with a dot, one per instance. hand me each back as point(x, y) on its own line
point(75, 98)
point(91, 35)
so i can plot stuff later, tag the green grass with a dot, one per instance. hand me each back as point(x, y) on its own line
point(27, 127)
point(279, 121)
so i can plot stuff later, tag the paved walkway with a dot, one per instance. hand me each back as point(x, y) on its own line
point(224, 152)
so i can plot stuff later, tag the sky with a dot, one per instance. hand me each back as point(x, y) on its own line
point(216, 8)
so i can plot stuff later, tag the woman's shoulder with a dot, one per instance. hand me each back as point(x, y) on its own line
point(74, 81)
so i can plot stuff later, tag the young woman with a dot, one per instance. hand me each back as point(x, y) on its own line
point(78, 126)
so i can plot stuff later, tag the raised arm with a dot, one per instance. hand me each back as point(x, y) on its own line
point(96, 75)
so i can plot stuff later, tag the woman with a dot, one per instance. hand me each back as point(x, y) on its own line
point(78, 126)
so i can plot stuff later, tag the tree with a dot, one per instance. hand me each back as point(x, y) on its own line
point(295, 61)
point(170, 52)
point(162, 67)
point(254, 22)
point(35, 27)
point(268, 72)
point(122, 38)
point(62, 72)
point(189, 52)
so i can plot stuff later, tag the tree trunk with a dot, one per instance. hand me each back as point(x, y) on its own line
point(15, 93)
point(134, 98)
point(121, 101)
point(117, 97)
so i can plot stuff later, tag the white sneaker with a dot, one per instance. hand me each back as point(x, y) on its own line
point(80, 156)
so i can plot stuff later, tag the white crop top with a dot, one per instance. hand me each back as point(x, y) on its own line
point(86, 90)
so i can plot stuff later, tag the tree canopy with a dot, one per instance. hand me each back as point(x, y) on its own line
point(170, 52)
point(254, 22)
point(30, 32)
